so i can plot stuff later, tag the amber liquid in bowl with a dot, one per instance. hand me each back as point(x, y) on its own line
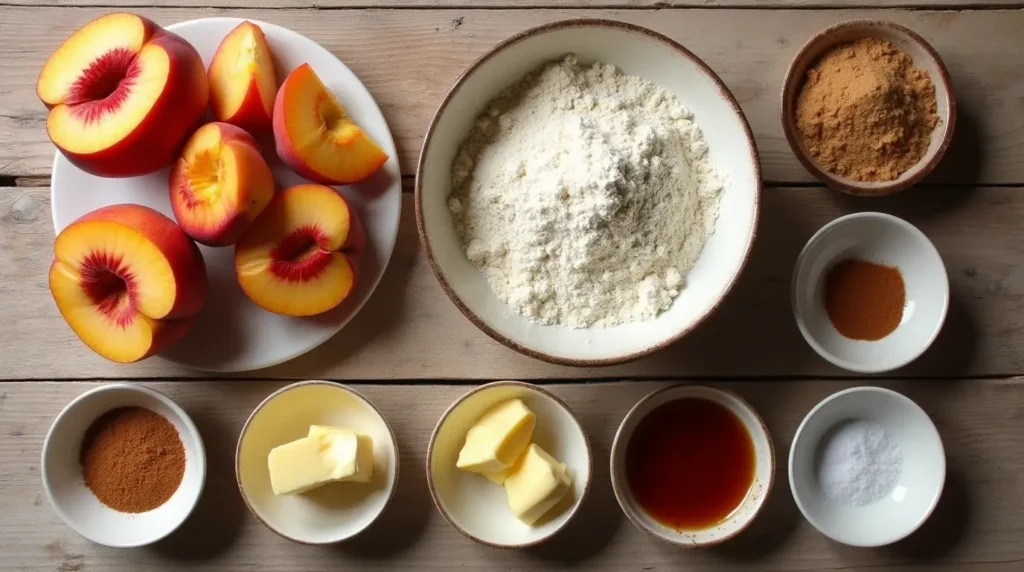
point(690, 463)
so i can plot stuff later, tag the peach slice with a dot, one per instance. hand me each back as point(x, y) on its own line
point(300, 257)
point(243, 82)
point(219, 184)
point(127, 280)
point(316, 138)
point(123, 94)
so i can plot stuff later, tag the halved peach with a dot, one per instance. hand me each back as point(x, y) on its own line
point(243, 82)
point(315, 136)
point(127, 280)
point(301, 256)
point(219, 184)
point(123, 94)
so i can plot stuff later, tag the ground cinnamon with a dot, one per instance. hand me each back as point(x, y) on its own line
point(864, 300)
point(132, 459)
point(864, 112)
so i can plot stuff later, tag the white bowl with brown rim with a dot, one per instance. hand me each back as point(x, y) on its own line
point(79, 508)
point(748, 508)
point(923, 55)
point(638, 52)
point(478, 508)
point(334, 512)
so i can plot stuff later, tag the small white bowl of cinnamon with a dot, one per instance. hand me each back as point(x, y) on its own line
point(868, 107)
point(123, 465)
point(870, 292)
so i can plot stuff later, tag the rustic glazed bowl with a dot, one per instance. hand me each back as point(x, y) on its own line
point(760, 488)
point(922, 474)
point(924, 57)
point(478, 508)
point(334, 512)
point(75, 504)
point(638, 52)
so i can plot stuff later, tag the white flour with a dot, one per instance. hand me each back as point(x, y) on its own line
point(585, 196)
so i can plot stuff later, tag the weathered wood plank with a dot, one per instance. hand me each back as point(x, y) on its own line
point(423, 4)
point(977, 526)
point(409, 58)
point(410, 330)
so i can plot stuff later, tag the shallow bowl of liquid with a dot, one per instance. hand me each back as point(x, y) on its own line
point(636, 52)
point(881, 239)
point(692, 465)
point(895, 488)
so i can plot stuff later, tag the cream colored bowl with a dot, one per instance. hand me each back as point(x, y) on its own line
point(739, 519)
point(331, 513)
point(478, 508)
point(638, 52)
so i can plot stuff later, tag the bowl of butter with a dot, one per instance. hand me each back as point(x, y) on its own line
point(316, 462)
point(508, 464)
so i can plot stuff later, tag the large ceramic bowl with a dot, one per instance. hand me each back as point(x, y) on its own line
point(638, 52)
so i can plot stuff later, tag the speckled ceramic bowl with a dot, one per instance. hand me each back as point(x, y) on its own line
point(637, 52)
point(749, 507)
point(924, 56)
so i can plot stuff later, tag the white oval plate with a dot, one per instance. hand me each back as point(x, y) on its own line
point(232, 333)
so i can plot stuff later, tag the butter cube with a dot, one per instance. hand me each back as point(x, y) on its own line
point(331, 455)
point(364, 449)
point(495, 442)
point(536, 484)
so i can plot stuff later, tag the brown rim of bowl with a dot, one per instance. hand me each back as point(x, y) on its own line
point(850, 186)
point(553, 26)
point(245, 429)
point(430, 455)
point(771, 458)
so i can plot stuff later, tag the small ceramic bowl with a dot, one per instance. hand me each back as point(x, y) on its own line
point(883, 239)
point(917, 489)
point(739, 519)
point(923, 56)
point(478, 508)
point(79, 508)
point(333, 512)
point(639, 52)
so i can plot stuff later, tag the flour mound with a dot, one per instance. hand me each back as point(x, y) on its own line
point(585, 196)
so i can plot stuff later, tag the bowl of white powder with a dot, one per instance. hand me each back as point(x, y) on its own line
point(588, 192)
point(867, 466)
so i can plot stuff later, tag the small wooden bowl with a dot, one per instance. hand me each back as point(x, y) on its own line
point(924, 57)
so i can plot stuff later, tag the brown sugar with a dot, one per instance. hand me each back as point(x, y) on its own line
point(132, 459)
point(864, 112)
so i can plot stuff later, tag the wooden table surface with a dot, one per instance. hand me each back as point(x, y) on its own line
point(413, 353)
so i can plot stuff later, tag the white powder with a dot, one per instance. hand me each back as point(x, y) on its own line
point(859, 464)
point(585, 196)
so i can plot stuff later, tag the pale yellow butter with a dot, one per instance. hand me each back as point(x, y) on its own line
point(325, 455)
point(495, 442)
point(536, 484)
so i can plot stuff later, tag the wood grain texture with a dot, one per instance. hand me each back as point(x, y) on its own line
point(976, 527)
point(621, 4)
point(410, 330)
point(409, 58)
